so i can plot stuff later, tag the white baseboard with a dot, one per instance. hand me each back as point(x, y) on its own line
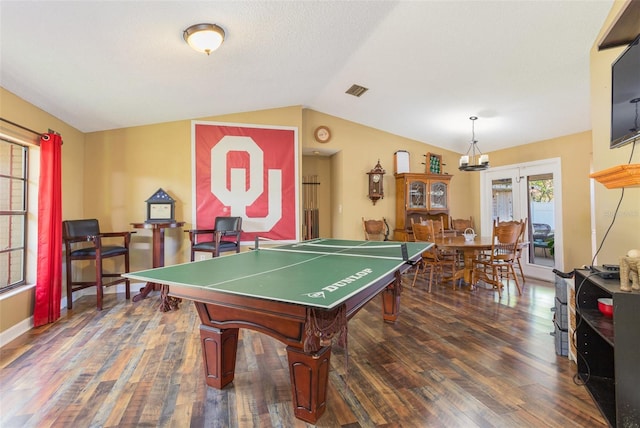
point(15, 331)
point(27, 324)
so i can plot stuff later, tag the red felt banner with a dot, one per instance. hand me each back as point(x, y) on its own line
point(248, 171)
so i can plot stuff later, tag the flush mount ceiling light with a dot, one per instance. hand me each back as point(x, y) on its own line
point(204, 37)
point(473, 160)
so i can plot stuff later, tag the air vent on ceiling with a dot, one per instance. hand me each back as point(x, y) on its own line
point(357, 90)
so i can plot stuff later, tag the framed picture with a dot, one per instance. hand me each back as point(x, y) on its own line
point(160, 207)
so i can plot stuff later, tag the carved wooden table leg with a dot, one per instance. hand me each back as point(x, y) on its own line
point(309, 382)
point(391, 299)
point(219, 349)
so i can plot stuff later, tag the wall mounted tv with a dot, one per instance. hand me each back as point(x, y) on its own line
point(625, 96)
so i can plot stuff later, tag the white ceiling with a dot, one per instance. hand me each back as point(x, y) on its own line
point(522, 67)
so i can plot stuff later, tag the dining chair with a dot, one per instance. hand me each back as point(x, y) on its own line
point(460, 224)
point(432, 259)
point(447, 230)
point(439, 233)
point(375, 230)
point(521, 244)
point(438, 227)
point(83, 241)
point(496, 266)
point(224, 237)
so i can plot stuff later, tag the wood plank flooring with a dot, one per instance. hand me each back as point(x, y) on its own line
point(454, 359)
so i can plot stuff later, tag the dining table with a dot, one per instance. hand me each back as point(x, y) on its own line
point(469, 250)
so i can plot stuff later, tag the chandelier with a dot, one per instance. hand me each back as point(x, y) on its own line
point(473, 160)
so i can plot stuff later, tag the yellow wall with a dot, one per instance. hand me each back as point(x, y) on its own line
point(19, 306)
point(357, 150)
point(574, 152)
point(625, 232)
point(135, 162)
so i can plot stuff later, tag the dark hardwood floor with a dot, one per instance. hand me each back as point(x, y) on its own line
point(454, 359)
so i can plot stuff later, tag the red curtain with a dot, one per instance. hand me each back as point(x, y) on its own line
point(49, 282)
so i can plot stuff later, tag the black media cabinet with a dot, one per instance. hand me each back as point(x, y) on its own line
point(609, 349)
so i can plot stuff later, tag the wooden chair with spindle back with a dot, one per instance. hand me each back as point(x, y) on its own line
point(496, 267)
point(432, 259)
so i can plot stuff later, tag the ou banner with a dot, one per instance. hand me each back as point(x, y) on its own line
point(248, 171)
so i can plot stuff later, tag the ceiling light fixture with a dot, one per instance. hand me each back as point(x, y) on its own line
point(473, 160)
point(204, 37)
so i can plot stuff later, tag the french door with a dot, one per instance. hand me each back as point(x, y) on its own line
point(533, 191)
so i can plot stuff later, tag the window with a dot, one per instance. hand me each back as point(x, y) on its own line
point(13, 214)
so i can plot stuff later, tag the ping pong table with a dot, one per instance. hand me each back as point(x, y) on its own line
point(301, 294)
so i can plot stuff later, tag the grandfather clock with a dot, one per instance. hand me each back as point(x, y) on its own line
point(376, 190)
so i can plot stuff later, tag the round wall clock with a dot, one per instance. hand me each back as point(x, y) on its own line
point(322, 134)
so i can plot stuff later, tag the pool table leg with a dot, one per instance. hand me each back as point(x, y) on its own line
point(219, 349)
point(309, 382)
point(391, 299)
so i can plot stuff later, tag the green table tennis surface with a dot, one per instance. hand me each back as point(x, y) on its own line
point(320, 273)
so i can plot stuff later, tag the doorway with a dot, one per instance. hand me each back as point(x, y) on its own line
point(530, 190)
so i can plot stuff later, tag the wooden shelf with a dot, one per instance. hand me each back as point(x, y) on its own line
point(625, 27)
point(607, 348)
point(627, 175)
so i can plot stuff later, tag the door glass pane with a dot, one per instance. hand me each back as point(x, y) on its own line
point(541, 223)
point(502, 199)
point(417, 191)
point(438, 195)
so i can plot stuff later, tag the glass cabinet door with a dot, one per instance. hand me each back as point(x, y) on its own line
point(438, 195)
point(417, 194)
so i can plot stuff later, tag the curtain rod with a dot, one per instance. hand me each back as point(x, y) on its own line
point(45, 136)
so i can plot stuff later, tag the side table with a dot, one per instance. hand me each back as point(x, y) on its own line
point(157, 228)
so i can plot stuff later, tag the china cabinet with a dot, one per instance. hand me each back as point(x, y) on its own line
point(418, 196)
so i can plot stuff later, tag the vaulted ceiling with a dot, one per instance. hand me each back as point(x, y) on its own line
point(521, 66)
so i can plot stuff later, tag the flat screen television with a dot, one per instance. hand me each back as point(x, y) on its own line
point(625, 96)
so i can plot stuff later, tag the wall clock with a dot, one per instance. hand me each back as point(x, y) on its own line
point(322, 134)
point(376, 189)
